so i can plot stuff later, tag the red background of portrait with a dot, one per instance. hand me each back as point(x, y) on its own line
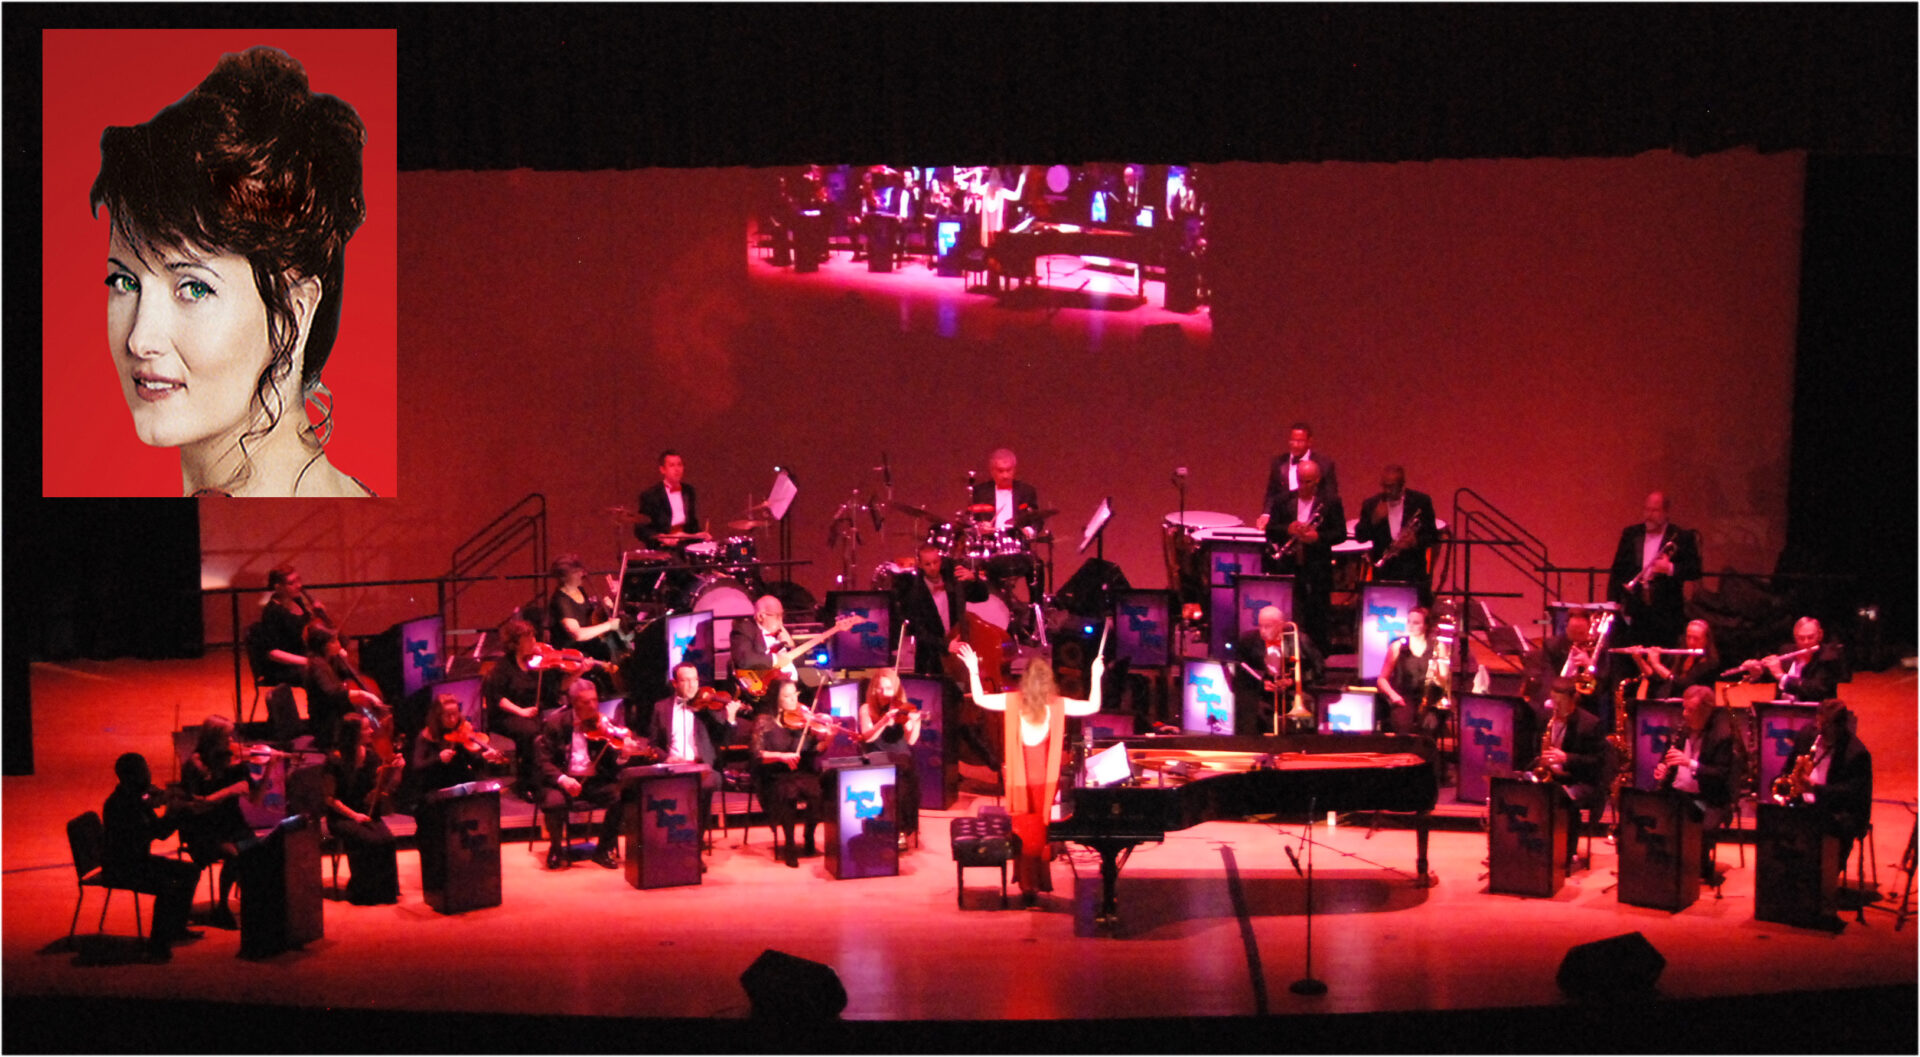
point(96, 78)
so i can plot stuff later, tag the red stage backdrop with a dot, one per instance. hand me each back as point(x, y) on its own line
point(96, 78)
point(1560, 335)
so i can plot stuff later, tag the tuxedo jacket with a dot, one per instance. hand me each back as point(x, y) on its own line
point(710, 731)
point(1252, 705)
point(659, 512)
point(1025, 497)
point(1278, 484)
point(1667, 597)
point(1585, 745)
point(1848, 792)
point(748, 646)
point(1820, 677)
point(1716, 773)
point(1315, 559)
point(555, 744)
point(1411, 564)
point(914, 602)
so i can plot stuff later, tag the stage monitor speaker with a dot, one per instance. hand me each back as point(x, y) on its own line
point(1621, 965)
point(783, 987)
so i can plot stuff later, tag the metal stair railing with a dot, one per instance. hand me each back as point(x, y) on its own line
point(521, 528)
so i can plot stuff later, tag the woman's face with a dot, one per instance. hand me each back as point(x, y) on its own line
point(188, 334)
point(887, 685)
point(789, 697)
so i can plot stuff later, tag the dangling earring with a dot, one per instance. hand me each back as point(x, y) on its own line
point(322, 397)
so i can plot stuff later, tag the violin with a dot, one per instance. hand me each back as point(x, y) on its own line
point(711, 697)
point(600, 729)
point(568, 661)
point(808, 722)
point(466, 738)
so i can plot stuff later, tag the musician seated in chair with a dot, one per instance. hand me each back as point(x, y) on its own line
point(689, 733)
point(1701, 763)
point(516, 695)
point(1670, 675)
point(361, 784)
point(127, 861)
point(766, 648)
point(449, 751)
point(1576, 754)
point(1835, 774)
point(786, 749)
point(578, 769)
point(1811, 671)
point(1398, 526)
point(1263, 672)
point(214, 778)
point(1553, 658)
point(333, 687)
point(572, 623)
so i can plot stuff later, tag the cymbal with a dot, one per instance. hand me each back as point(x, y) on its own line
point(1034, 517)
point(979, 508)
point(620, 513)
point(649, 556)
point(754, 509)
point(748, 524)
point(906, 508)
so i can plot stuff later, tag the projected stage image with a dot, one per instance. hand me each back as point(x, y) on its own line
point(1121, 238)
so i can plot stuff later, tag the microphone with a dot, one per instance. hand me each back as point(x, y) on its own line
point(1294, 859)
point(886, 469)
point(1179, 476)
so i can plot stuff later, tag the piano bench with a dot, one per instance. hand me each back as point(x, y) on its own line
point(984, 840)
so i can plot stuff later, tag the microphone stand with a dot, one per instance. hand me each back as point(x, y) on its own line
point(1307, 985)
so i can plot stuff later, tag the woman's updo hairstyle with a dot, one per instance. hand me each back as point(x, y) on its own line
point(255, 164)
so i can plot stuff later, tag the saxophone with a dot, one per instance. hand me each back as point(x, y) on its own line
point(1542, 771)
point(1793, 784)
point(1621, 739)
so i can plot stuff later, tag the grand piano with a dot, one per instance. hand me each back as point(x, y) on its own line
point(1016, 251)
point(1209, 777)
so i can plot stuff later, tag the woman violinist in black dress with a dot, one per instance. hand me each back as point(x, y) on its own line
point(517, 696)
point(572, 623)
point(786, 748)
point(889, 720)
point(361, 783)
point(214, 778)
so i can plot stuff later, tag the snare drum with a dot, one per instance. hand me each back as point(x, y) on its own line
point(703, 553)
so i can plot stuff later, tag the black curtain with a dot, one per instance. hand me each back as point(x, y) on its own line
point(1851, 492)
point(98, 579)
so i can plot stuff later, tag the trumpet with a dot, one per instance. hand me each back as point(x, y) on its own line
point(1291, 547)
point(1646, 574)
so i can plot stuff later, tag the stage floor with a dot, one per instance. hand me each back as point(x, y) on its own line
point(1212, 921)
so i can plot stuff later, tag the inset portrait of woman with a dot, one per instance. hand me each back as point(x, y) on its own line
point(229, 214)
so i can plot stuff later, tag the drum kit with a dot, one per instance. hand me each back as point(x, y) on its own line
point(1002, 558)
point(717, 575)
